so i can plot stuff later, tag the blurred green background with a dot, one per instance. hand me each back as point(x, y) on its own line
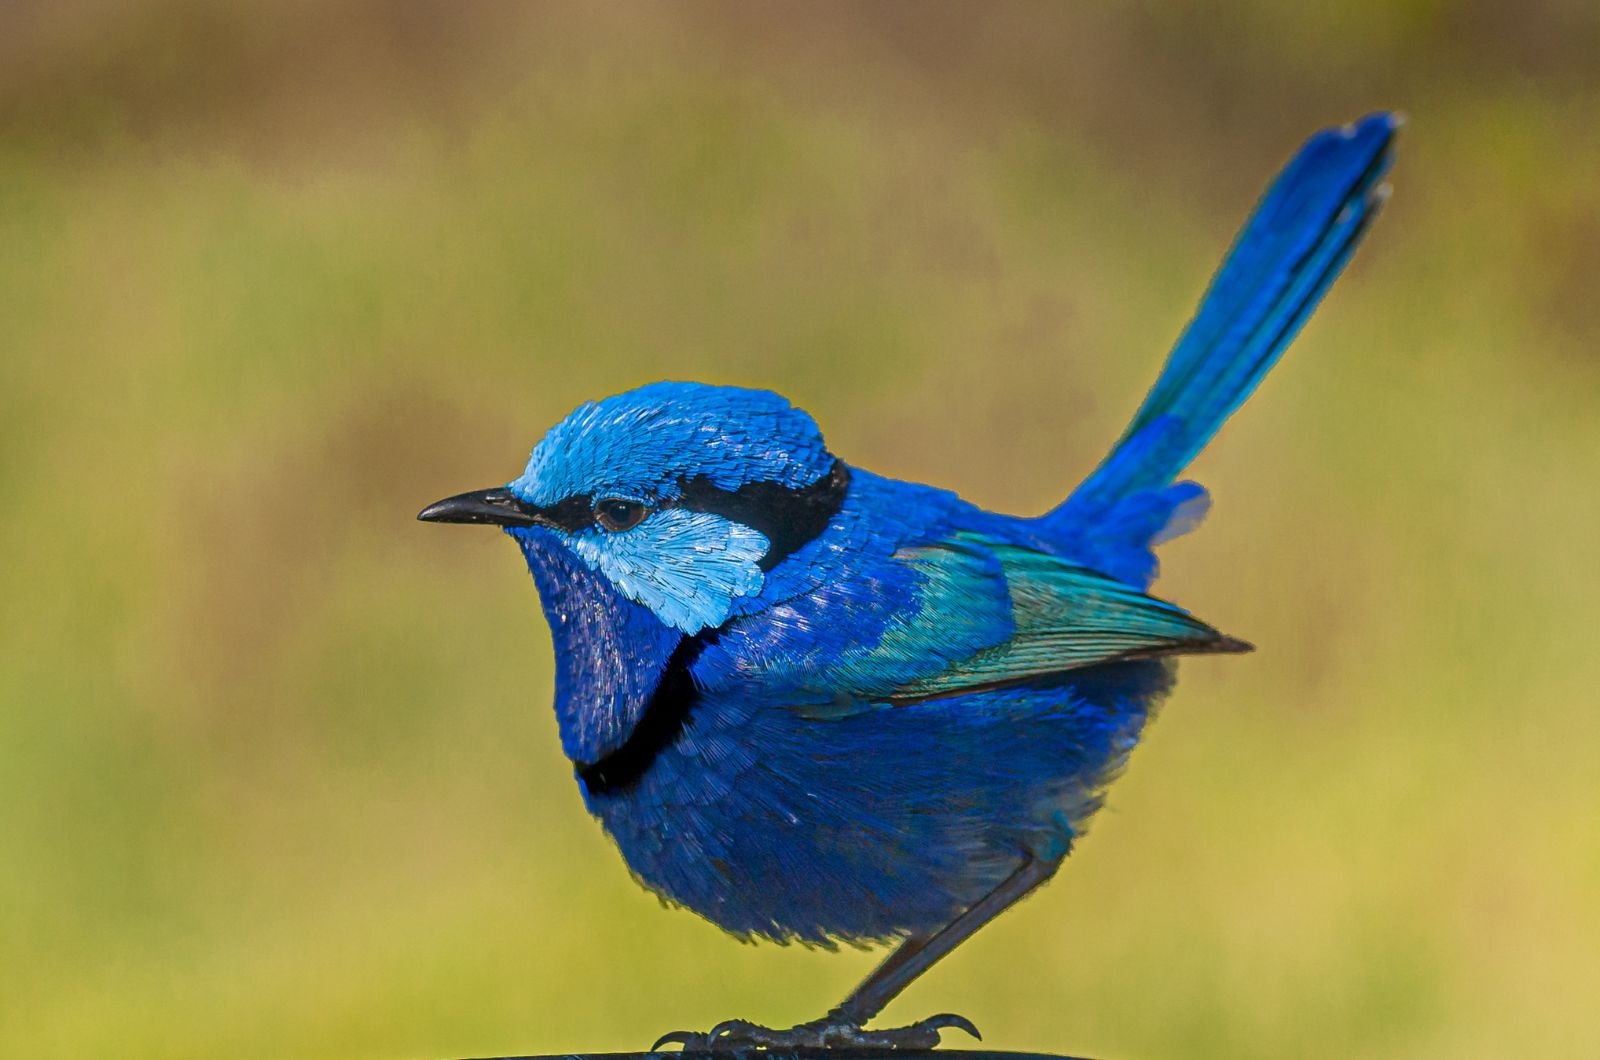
point(278, 771)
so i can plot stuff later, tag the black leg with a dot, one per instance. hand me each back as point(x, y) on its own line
point(919, 953)
point(843, 1027)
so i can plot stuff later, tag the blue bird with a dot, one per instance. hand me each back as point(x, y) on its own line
point(811, 703)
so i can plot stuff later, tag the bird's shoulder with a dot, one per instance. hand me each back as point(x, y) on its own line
point(912, 594)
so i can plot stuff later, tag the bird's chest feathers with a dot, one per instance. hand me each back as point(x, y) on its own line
point(610, 652)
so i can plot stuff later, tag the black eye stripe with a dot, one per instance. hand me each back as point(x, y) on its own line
point(788, 518)
point(572, 514)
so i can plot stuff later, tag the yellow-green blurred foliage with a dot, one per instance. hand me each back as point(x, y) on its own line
point(278, 772)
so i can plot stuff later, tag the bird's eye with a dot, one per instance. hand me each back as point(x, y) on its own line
point(616, 514)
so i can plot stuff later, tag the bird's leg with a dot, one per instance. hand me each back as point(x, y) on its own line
point(919, 953)
point(843, 1027)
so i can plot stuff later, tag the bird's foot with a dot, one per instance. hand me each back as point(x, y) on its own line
point(830, 1032)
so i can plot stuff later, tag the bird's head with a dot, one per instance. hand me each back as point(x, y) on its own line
point(680, 495)
point(651, 517)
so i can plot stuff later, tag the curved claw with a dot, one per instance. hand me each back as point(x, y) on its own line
point(729, 1034)
point(821, 1034)
point(685, 1040)
point(923, 1034)
point(946, 1021)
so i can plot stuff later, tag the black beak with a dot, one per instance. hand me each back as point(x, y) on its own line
point(499, 507)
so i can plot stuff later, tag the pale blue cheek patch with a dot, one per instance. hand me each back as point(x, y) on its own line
point(687, 567)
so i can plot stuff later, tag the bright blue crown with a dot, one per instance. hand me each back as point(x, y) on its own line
point(653, 438)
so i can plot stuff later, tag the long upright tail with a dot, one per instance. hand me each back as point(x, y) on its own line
point(1289, 252)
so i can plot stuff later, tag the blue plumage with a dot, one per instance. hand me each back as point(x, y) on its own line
point(811, 703)
point(1281, 264)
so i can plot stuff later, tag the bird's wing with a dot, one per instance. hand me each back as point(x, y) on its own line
point(990, 613)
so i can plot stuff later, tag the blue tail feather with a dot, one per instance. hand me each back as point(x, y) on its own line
point(1292, 248)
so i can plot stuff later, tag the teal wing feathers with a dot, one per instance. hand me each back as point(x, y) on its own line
point(990, 613)
point(1065, 617)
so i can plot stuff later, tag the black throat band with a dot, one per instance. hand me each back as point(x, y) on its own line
point(790, 519)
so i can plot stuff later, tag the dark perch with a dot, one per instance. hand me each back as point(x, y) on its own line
point(805, 1054)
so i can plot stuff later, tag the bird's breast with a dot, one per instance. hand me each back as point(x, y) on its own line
point(611, 654)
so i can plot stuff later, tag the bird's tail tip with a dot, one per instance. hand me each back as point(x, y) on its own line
point(1218, 644)
point(1226, 645)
